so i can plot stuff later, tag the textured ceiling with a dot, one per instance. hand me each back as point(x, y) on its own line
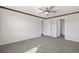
point(34, 10)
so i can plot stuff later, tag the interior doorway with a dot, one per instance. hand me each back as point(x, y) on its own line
point(60, 28)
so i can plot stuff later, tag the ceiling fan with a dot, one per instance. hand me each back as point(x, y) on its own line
point(48, 10)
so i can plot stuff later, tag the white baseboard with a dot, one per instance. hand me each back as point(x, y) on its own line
point(9, 42)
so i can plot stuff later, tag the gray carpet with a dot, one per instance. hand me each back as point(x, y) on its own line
point(47, 45)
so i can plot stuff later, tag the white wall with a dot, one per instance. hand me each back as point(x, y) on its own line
point(72, 27)
point(16, 27)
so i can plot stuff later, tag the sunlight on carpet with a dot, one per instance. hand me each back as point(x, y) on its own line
point(33, 50)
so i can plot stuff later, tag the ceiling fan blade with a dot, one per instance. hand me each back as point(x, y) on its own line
point(41, 9)
point(53, 11)
point(46, 8)
point(41, 12)
point(50, 8)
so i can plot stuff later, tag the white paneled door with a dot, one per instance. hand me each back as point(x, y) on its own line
point(46, 28)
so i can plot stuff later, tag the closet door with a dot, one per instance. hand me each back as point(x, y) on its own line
point(46, 28)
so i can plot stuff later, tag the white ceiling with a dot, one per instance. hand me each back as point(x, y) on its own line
point(35, 10)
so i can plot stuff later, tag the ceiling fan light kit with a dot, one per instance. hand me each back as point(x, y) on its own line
point(46, 13)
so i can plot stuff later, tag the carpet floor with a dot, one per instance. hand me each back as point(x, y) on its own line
point(46, 45)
